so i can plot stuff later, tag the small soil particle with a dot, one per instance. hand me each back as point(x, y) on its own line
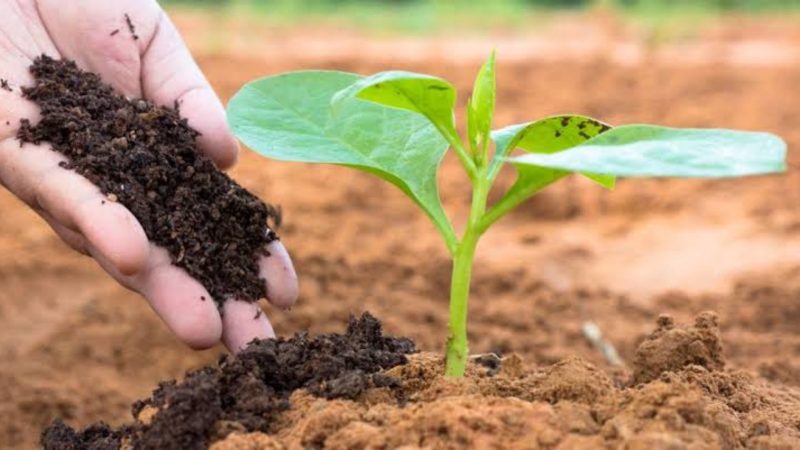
point(131, 28)
point(115, 32)
point(145, 157)
point(4, 85)
point(246, 392)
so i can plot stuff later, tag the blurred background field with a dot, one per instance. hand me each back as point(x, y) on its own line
point(429, 16)
point(761, 32)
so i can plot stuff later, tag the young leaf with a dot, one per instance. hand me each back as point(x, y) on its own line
point(424, 94)
point(480, 107)
point(545, 136)
point(288, 117)
point(548, 135)
point(654, 151)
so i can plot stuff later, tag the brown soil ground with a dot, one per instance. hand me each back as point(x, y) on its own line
point(680, 397)
point(76, 345)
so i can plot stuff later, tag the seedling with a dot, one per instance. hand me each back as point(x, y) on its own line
point(397, 125)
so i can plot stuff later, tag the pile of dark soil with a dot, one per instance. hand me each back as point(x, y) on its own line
point(246, 392)
point(145, 156)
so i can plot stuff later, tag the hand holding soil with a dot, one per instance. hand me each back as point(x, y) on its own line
point(144, 245)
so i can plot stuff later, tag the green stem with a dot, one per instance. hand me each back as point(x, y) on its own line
point(455, 142)
point(449, 236)
point(457, 347)
point(513, 198)
point(479, 221)
point(502, 208)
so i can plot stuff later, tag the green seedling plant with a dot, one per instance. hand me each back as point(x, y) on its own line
point(398, 125)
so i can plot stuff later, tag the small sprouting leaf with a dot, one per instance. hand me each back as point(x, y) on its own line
point(654, 151)
point(430, 96)
point(480, 107)
point(288, 117)
point(548, 135)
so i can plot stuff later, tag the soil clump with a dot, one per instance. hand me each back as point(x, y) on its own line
point(247, 392)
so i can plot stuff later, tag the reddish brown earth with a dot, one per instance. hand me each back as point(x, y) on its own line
point(680, 397)
point(77, 346)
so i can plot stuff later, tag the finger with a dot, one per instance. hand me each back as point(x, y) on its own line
point(241, 323)
point(13, 107)
point(180, 301)
point(156, 65)
point(23, 38)
point(278, 270)
point(71, 238)
point(169, 75)
point(108, 225)
point(101, 41)
point(184, 304)
point(33, 173)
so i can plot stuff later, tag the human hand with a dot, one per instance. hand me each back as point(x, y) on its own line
point(156, 66)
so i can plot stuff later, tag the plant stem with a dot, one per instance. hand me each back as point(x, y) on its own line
point(514, 198)
point(457, 346)
point(502, 208)
point(454, 140)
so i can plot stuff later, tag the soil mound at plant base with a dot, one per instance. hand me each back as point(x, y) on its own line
point(288, 394)
point(670, 348)
point(145, 156)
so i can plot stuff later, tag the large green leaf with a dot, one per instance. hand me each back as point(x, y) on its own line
point(288, 117)
point(424, 94)
point(480, 107)
point(545, 136)
point(654, 151)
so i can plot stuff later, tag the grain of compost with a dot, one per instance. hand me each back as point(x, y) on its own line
point(145, 157)
point(131, 27)
point(246, 392)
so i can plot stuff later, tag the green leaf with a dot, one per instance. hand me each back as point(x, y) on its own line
point(548, 135)
point(480, 107)
point(288, 117)
point(430, 96)
point(654, 151)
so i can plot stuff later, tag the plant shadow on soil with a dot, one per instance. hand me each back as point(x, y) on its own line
point(363, 390)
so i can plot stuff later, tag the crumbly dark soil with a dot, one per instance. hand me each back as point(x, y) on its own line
point(247, 392)
point(145, 157)
point(95, 437)
point(131, 27)
point(678, 395)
